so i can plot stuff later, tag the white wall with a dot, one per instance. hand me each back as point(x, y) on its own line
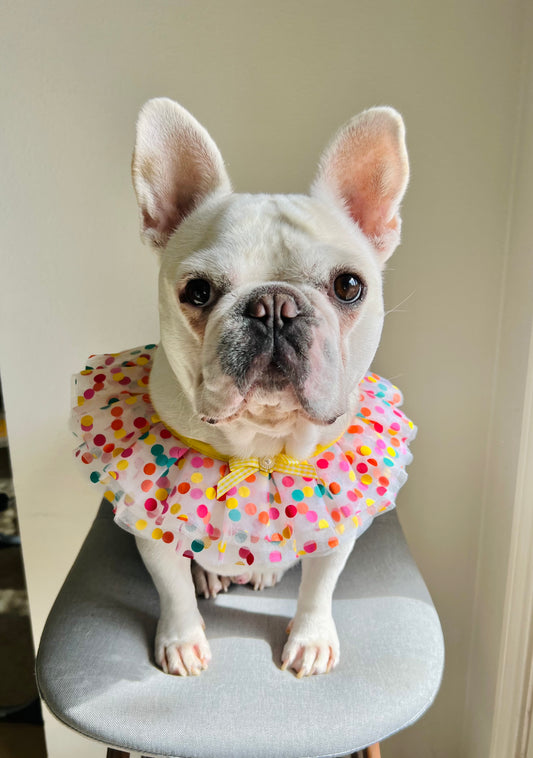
point(271, 81)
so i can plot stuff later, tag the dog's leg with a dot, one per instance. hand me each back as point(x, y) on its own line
point(207, 583)
point(181, 646)
point(313, 644)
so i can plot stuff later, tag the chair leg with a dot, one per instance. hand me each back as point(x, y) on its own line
point(369, 752)
point(112, 753)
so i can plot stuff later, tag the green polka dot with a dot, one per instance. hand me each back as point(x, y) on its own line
point(95, 476)
point(197, 546)
point(156, 450)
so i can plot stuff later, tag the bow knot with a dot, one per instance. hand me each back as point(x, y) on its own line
point(241, 468)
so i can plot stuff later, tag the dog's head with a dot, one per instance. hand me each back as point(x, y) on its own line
point(271, 306)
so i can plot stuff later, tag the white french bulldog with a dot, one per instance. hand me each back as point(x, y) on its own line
point(271, 312)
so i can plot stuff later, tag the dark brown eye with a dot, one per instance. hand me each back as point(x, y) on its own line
point(198, 292)
point(348, 288)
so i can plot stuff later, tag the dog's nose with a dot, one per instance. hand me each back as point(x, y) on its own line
point(273, 309)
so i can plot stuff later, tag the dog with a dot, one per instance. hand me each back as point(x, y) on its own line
point(271, 311)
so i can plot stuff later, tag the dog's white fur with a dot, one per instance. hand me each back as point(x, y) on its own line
point(350, 222)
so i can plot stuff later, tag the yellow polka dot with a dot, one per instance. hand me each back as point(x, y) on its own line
point(365, 450)
point(392, 452)
point(210, 493)
point(355, 519)
point(81, 400)
point(118, 377)
point(207, 542)
point(129, 500)
point(132, 400)
point(222, 547)
point(150, 440)
point(371, 379)
point(277, 498)
point(181, 462)
point(339, 528)
point(232, 502)
point(157, 534)
point(197, 477)
point(122, 465)
point(141, 361)
point(308, 491)
point(141, 524)
point(113, 474)
point(323, 524)
point(351, 475)
point(120, 433)
point(244, 491)
point(161, 494)
point(369, 501)
point(86, 372)
point(109, 495)
point(117, 451)
point(86, 420)
point(155, 418)
point(366, 479)
point(176, 508)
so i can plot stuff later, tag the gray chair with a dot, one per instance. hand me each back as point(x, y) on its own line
point(96, 671)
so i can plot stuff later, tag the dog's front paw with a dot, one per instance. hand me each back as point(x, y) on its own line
point(208, 584)
point(181, 651)
point(259, 580)
point(313, 645)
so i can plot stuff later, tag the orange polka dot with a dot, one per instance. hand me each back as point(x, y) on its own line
point(116, 411)
point(250, 509)
point(335, 515)
point(264, 517)
point(333, 541)
point(328, 455)
point(250, 479)
point(147, 485)
point(335, 488)
point(149, 469)
point(365, 411)
point(209, 462)
point(302, 507)
point(355, 429)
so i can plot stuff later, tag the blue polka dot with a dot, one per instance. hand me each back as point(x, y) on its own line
point(297, 495)
point(197, 546)
point(156, 450)
point(388, 462)
point(95, 476)
point(234, 515)
point(161, 460)
point(319, 490)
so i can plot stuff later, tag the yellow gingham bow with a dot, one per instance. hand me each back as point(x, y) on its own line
point(240, 468)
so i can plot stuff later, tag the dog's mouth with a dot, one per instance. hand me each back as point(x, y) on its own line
point(270, 405)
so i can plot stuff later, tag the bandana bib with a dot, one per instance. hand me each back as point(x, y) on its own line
point(239, 511)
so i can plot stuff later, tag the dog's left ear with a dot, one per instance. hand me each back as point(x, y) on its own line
point(365, 169)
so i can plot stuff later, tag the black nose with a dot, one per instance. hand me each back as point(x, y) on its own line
point(273, 309)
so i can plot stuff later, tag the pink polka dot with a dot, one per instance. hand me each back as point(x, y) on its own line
point(88, 394)
point(109, 361)
point(175, 452)
point(310, 547)
point(127, 452)
point(291, 511)
point(99, 440)
point(322, 463)
point(275, 556)
point(196, 493)
point(311, 516)
point(202, 511)
point(273, 513)
point(150, 504)
point(344, 465)
point(362, 468)
point(345, 511)
point(395, 426)
point(351, 495)
point(380, 409)
point(197, 462)
point(381, 490)
point(287, 481)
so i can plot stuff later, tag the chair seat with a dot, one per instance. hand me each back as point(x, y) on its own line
point(96, 670)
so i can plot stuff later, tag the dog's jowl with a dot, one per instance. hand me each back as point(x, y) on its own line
point(254, 434)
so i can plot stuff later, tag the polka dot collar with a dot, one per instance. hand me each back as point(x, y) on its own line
point(163, 489)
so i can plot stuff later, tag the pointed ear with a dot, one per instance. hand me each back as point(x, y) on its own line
point(365, 169)
point(175, 166)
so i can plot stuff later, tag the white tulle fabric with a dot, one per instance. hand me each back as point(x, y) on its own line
point(164, 489)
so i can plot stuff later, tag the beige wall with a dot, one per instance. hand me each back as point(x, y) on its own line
point(271, 81)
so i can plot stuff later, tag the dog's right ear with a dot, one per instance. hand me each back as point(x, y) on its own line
point(175, 166)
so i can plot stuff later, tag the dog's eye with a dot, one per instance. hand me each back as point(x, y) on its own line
point(198, 292)
point(348, 288)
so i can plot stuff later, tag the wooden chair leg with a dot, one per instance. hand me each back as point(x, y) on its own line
point(112, 753)
point(369, 752)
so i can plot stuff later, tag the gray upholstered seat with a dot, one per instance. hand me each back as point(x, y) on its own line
point(96, 670)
